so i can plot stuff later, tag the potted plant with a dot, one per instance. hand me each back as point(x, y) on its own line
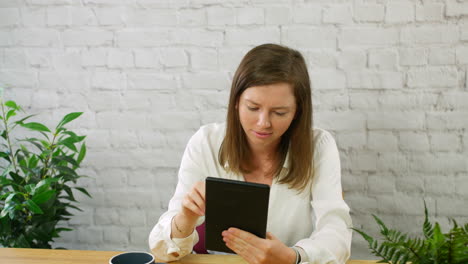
point(434, 248)
point(37, 179)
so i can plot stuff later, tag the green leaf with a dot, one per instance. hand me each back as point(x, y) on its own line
point(10, 114)
point(34, 207)
point(36, 127)
point(44, 196)
point(68, 118)
point(383, 228)
point(83, 190)
point(12, 104)
point(70, 160)
point(82, 153)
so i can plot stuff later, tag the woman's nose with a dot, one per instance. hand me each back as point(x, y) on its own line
point(264, 120)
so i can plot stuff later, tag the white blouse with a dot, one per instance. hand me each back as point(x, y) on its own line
point(316, 220)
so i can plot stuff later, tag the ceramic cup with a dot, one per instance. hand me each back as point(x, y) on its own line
point(132, 258)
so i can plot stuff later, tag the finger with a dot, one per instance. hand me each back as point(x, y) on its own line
point(246, 251)
point(190, 205)
point(270, 236)
point(245, 236)
point(200, 190)
point(197, 200)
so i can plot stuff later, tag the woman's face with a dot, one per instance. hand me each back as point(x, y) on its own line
point(266, 112)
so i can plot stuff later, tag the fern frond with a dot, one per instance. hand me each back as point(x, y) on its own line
point(428, 229)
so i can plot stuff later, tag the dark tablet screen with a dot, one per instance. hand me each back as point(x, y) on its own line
point(231, 203)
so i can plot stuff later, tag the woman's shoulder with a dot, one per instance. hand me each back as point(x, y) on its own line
point(322, 138)
point(213, 133)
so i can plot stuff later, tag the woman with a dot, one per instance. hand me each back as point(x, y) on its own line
point(268, 138)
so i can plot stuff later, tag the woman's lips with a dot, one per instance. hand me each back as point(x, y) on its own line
point(261, 134)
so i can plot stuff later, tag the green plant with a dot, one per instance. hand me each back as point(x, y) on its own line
point(36, 190)
point(434, 248)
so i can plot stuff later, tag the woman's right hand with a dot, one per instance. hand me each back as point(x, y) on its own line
point(193, 204)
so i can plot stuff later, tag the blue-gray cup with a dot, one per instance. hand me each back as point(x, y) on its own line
point(132, 258)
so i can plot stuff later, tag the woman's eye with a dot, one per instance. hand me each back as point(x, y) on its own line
point(280, 113)
point(252, 108)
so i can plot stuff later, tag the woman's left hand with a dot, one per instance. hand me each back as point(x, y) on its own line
point(257, 250)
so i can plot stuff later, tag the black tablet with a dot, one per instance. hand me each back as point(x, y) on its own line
point(231, 203)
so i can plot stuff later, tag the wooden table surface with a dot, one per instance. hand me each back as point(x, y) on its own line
point(53, 256)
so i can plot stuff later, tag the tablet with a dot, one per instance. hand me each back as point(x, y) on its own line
point(231, 203)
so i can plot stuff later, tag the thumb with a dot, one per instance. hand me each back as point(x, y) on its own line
point(270, 236)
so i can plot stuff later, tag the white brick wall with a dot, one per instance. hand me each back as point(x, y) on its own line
point(390, 81)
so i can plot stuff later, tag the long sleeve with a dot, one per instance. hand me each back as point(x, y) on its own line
point(191, 170)
point(330, 242)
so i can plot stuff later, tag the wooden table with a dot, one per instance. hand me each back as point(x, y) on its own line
point(52, 256)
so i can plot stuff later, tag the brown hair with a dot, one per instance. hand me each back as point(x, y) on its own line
point(263, 65)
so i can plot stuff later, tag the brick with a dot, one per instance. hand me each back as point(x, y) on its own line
point(429, 35)
point(414, 141)
point(456, 8)
point(118, 235)
point(205, 81)
point(381, 184)
point(351, 140)
point(141, 38)
point(163, 102)
point(174, 57)
point(11, 3)
point(277, 15)
point(410, 184)
point(120, 121)
point(109, 80)
point(307, 14)
point(401, 205)
point(10, 17)
point(363, 162)
point(442, 56)
point(186, 120)
point(448, 206)
point(395, 163)
point(192, 17)
point(151, 17)
point(454, 101)
point(31, 16)
point(337, 14)
point(383, 141)
point(433, 77)
point(464, 33)
point(369, 12)
point(212, 116)
point(220, 16)
point(123, 140)
point(139, 235)
point(23, 97)
point(147, 58)
point(132, 100)
point(447, 120)
point(413, 56)
point(383, 59)
point(450, 142)
point(352, 59)
point(328, 79)
point(461, 184)
point(14, 59)
point(204, 59)
point(229, 58)
point(97, 138)
point(58, 16)
point(119, 58)
point(321, 59)
point(36, 37)
point(364, 101)
point(402, 12)
point(362, 204)
point(198, 37)
point(39, 57)
point(67, 60)
point(374, 80)
point(368, 37)
point(115, 16)
point(64, 81)
point(45, 100)
point(430, 12)
point(437, 163)
point(89, 235)
point(49, 2)
point(18, 78)
point(83, 16)
point(94, 57)
point(462, 55)
point(141, 177)
point(341, 121)
point(337, 100)
point(151, 81)
point(396, 120)
point(408, 101)
point(112, 178)
point(108, 2)
point(309, 37)
point(252, 36)
point(76, 37)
